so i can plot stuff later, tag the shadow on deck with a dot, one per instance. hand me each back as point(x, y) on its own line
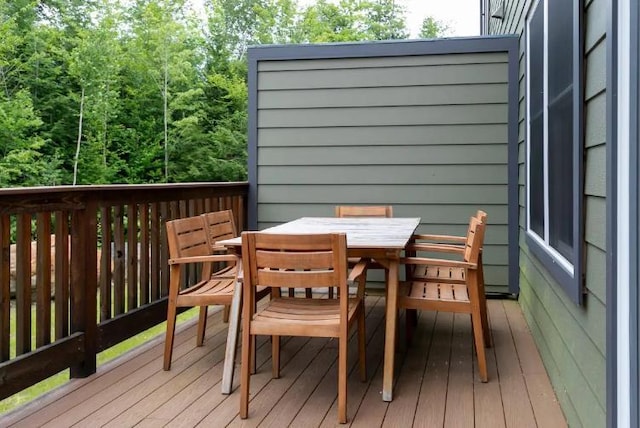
point(437, 383)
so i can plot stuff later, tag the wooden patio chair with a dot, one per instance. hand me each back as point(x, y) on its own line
point(363, 211)
point(438, 291)
point(190, 243)
point(454, 245)
point(299, 261)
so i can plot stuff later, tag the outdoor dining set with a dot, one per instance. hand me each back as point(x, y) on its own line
point(307, 277)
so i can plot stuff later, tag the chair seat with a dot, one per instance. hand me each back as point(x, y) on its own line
point(227, 272)
point(308, 317)
point(215, 291)
point(449, 292)
point(438, 273)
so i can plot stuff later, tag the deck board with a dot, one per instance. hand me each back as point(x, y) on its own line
point(437, 382)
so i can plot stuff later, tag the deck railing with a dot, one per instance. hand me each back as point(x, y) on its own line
point(108, 285)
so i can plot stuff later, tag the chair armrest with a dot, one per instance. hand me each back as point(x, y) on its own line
point(204, 259)
point(359, 269)
point(445, 238)
point(437, 262)
point(437, 248)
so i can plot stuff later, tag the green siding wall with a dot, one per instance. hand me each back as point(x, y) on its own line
point(425, 133)
point(571, 339)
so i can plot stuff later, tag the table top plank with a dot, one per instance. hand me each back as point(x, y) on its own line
point(362, 232)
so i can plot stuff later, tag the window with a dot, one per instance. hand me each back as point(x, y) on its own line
point(554, 139)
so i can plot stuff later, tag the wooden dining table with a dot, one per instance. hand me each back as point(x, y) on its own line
point(381, 239)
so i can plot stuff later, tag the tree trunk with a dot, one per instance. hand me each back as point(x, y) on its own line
point(75, 162)
point(166, 120)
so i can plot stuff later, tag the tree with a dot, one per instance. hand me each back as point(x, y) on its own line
point(432, 28)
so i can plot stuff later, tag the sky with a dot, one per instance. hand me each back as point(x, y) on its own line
point(463, 16)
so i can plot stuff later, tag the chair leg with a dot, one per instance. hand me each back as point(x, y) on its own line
point(168, 341)
point(275, 357)
point(202, 325)
point(331, 292)
point(245, 369)
point(342, 379)
point(308, 293)
point(362, 344)
point(225, 313)
point(232, 340)
point(476, 321)
point(488, 340)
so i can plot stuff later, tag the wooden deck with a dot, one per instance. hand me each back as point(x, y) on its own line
point(436, 382)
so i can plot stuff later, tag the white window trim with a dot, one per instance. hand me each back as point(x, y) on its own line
point(543, 242)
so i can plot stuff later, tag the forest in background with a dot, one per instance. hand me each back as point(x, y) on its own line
point(150, 91)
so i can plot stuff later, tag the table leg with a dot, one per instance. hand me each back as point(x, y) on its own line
point(232, 340)
point(390, 332)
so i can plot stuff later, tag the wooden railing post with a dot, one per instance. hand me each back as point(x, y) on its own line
point(84, 285)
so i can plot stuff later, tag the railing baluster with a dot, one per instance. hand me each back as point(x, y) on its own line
point(62, 275)
point(155, 252)
point(23, 284)
point(43, 279)
point(132, 256)
point(5, 285)
point(144, 254)
point(119, 261)
point(164, 251)
point(105, 264)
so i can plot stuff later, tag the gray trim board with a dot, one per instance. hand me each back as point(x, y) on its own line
point(634, 191)
point(484, 44)
point(611, 258)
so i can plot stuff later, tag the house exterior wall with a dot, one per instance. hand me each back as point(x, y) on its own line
point(426, 133)
point(571, 338)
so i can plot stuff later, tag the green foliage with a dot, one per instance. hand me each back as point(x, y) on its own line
point(432, 28)
point(143, 91)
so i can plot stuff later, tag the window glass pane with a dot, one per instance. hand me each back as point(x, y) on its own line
point(536, 120)
point(560, 39)
point(560, 164)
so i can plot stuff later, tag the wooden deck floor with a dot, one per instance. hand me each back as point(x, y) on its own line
point(436, 382)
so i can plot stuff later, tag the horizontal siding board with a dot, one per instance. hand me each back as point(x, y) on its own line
point(375, 116)
point(596, 76)
point(387, 76)
point(595, 127)
point(384, 155)
point(384, 135)
point(597, 23)
point(399, 194)
point(382, 62)
point(434, 215)
point(385, 174)
point(395, 96)
point(596, 210)
point(596, 272)
point(595, 182)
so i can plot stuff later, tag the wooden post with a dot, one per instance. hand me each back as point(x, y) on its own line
point(84, 285)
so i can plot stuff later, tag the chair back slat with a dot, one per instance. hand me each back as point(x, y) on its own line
point(220, 225)
point(364, 211)
point(475, 237)
point(298, 261)
point(187, 237)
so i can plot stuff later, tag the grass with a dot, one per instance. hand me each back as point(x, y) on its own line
point(61, 378)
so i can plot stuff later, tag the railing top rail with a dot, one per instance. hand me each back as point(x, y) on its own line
point(115, 187)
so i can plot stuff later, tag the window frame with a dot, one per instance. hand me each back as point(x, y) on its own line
point(568, 273)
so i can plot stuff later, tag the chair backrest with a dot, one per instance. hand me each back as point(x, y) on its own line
point(362, 211)
point(219, 225)
point(295, 261)
point(187, 237)
point(475, 237)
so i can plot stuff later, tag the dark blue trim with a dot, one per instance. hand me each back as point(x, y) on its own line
point(507, 43)
point(512, 167)
point(611, 254)
point(252, 145)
